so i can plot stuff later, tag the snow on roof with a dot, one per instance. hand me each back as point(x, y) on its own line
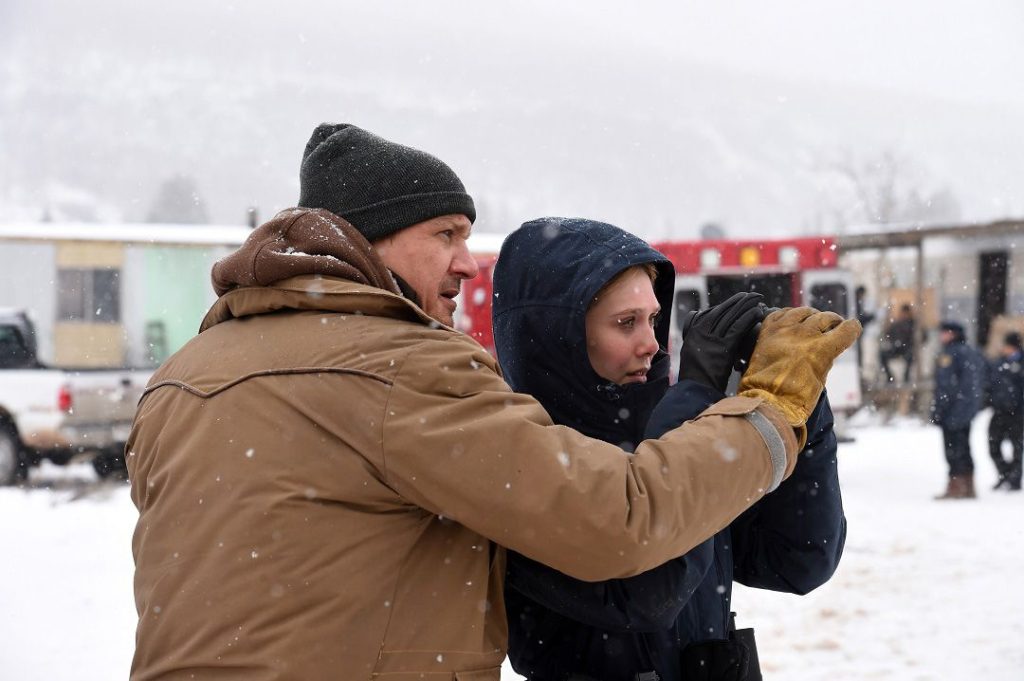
point(184, 235)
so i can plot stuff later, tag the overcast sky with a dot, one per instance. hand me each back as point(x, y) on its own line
point(951, 48)
point(965, 49)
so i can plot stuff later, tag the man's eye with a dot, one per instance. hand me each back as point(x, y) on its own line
point(448, 234)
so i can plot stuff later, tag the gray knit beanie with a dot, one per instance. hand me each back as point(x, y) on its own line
point(379, 186)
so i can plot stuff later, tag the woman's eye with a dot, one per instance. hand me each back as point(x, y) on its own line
point(628, 322)
point(655, 318)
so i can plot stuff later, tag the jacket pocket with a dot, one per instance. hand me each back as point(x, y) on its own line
point(492, 674)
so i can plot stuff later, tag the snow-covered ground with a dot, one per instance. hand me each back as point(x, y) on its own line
point(926, 591)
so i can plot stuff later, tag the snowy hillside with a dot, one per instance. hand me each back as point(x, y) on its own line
point(538, 122)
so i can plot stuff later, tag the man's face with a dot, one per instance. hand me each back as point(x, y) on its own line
point(433, 258)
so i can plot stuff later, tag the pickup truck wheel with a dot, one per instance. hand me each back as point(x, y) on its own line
point(110, 466)
point(13, 466)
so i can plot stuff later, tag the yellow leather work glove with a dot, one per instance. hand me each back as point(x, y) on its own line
point(792, 357)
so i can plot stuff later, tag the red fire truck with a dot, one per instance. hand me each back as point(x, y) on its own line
point(788, 272)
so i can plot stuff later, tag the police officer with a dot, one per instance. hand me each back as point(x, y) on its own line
point(1006, 393)
point(959, 387)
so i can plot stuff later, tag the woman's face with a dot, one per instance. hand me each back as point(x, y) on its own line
point(620, 329)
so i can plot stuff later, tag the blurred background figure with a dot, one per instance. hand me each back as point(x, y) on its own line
point(1006, 394)
point(898, 343)
point(959, 390)
point(864, 316)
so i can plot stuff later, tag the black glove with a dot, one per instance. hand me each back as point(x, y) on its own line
point(713, 339)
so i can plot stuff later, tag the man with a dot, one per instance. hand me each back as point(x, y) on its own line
point(1006, 393)
point(898, 343)
point(959, 388)
point(328, 473)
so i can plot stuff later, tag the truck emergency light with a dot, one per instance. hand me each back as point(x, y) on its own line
point(750, 256)
point(64, 401)
point(789, 256)
point(710, 258)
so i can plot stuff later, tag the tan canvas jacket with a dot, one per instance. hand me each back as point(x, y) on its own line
point(325, 478)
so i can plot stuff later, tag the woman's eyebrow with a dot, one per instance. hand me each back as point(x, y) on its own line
point(634, 310)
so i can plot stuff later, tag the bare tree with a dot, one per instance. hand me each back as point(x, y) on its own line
point(178, 202)
point(879, 189)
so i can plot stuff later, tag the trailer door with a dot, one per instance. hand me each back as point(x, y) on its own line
point(832, 290)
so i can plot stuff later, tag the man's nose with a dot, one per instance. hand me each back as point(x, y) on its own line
point(464, 264)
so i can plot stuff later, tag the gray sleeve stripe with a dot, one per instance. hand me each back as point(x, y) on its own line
point(776, 446)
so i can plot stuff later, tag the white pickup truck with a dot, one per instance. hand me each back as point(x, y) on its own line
point(61, 414)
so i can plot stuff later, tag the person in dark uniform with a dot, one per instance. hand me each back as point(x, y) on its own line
point(898, 343)
point(1006, 393)
point(864, 316)
point(959, 390)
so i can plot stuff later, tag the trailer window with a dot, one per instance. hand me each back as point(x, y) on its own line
point(830, 297)
point(777, 289)
point(89, 295)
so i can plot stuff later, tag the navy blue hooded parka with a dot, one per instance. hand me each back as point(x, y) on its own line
point(960, 373)
point(547, 275)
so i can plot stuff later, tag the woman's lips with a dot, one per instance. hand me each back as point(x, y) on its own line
point(639, 376)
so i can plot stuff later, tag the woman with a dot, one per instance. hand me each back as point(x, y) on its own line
point(580, 322)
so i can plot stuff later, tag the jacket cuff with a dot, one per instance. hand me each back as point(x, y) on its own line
point(776, 446)
point(795, 438)
point(778, 435)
